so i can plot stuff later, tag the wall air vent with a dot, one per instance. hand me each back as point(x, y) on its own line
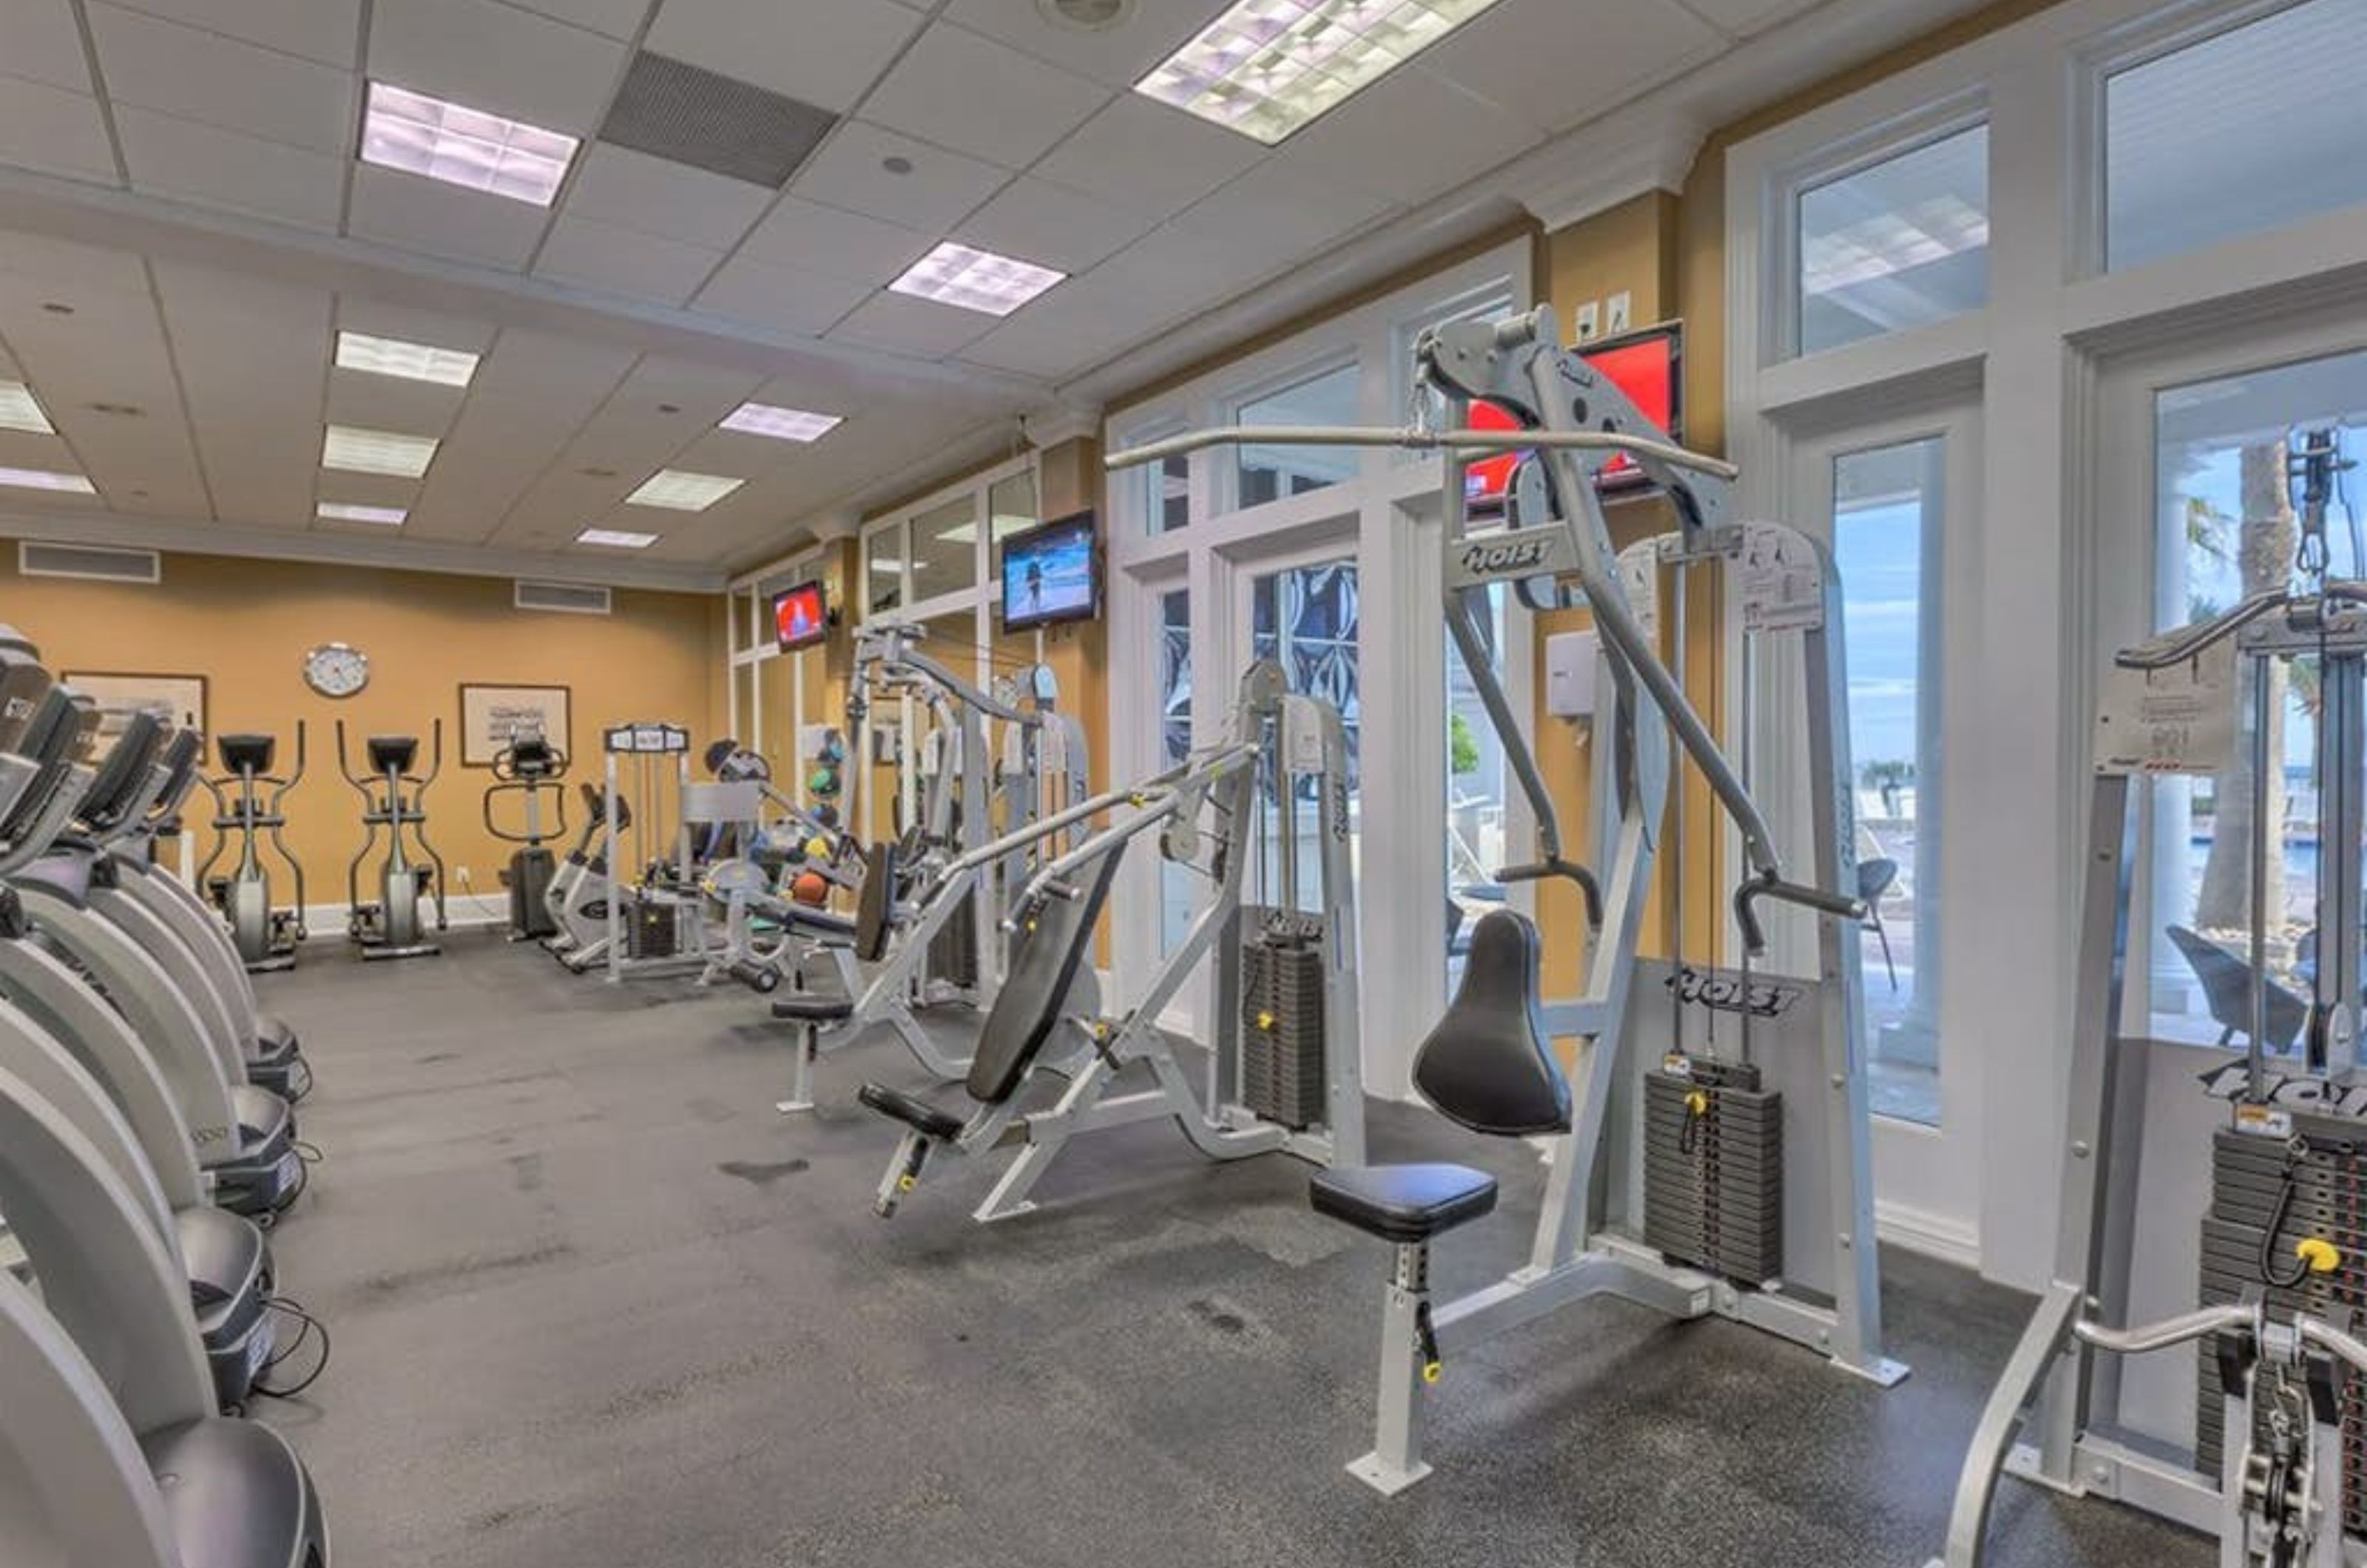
point(566, 598)
point(41, 558)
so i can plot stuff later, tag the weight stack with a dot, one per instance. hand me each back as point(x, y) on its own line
point(2247, 1175)
point(1714, 1180)
point(654, 930)
point(953, 952)
point(1282, 1029)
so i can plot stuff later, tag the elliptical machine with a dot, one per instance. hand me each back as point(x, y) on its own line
point(393, 927)
point(577, 899)
point(267, 938)
point(528, 765)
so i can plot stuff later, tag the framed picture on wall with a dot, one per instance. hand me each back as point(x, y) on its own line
point(179, 700)
point(489, 715)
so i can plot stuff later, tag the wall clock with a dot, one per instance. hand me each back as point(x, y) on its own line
point(336, 669)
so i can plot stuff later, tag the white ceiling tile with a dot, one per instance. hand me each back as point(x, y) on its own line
point(249, 353)
point(1742, 17)
point(808, 235)
point(1118, 56)
point(1065, 333)
point(46, 454)
point(188, 162)
point(53, 130)
point(186, 71)
point(326, 30)
point(941, 190)
point(958, 89)
point(919, 327)
point(40, 41)
point(415, 214)
point(1562, 62)
point(532, 393)
point(1148, 157)
point(1052, 226)
point(498, 59)
point(674, 201)
point(618, 19)
point(823, 52)
point(791, 298)
point(89, 271)
point(602, 255)
point(1408, 136)
point(1171, 270)
point(390, 402)
point(1277, 211)
point(435, 328)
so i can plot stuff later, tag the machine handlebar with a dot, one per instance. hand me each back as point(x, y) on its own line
point(1554, 866)
point(2240, 1318)
point(1815, 899)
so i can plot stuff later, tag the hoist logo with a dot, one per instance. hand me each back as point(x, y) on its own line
point(2300, 1093)
point(1724, 990)
point(1507, 555)
point(18, 707)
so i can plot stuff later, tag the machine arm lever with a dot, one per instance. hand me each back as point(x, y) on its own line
point(1554, 866)
point(1746, 897)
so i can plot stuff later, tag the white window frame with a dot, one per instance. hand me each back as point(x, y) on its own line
point(745, 597)
point(2022, 574)
point(1387, 517)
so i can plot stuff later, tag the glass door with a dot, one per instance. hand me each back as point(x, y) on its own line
point(1306, 617)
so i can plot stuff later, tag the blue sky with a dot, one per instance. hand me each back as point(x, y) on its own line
point(1878, 549)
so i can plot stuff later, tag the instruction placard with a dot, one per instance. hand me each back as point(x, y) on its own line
point(2178, 719)
point(1782, 579)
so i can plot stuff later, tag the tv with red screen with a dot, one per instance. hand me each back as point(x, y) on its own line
point(800, 617)
point(1647, 365)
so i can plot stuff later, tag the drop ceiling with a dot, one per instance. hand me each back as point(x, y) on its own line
point(185, 228)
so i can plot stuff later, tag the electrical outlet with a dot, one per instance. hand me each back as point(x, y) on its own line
point(461, 876)
point(1621, 314)
point(1590, 318)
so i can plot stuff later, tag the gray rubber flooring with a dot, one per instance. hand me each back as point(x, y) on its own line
point(595, 1304)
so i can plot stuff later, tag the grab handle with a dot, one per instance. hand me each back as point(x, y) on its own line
point(1746, 897)
point(1554, 866)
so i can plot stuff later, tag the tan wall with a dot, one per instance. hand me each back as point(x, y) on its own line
point(246, 624)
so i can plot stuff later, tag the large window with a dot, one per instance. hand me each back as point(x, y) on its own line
point(1898, 243)
point(1477, 781)
point(1887, 528)
point(1175, 749)
point(1268, 473)
point(2226, 528)
point(2242, 132)
point(945, 548)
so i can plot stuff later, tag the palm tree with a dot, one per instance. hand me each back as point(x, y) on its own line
point(2265, 540)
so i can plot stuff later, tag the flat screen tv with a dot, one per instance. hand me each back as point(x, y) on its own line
point(1647, 365)
point(800, 617)
point(1051, 573)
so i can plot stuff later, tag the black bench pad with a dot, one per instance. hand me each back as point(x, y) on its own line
point(1403, 1203)
point(814, 1009)
point(918, 1114)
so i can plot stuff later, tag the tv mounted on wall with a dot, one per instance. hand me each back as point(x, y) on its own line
point(800, 617)
point(1051, 574)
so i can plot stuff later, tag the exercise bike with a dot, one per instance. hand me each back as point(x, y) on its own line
point(576, 902)
point(267, 938)
point(527, 766)
point(393, 927)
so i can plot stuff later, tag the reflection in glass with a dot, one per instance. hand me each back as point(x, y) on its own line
point(883, 569)
point(1268, 473)
point(945, 548)
point(1305, 619)
point(1900, 244)
point(1175, 748)
point(1475, 786)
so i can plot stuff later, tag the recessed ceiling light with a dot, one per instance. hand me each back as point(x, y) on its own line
point(1267, 67)
point(786, 424)
point(461, 146)
point(975, 279)
point(599, 473)
point(361, 451)
point(56, 309)
point(897, 163)
point(339, 511)
point(41, 479)
point(19, 410)
point(412, 361)
point(117, 411)
point(679, 491)
point(616, 538)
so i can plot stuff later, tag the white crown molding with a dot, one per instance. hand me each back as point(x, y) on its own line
point(1049, 426)
point(838, 523)
point(1639, 154)
point(175, 536)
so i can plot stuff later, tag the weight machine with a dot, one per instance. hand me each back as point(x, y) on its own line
point(2278, 1469)
point(267, 937)
point(656, 926)
point(1284, 1068)
point(394, 798)
point(1687, 1174)
point(526, 767)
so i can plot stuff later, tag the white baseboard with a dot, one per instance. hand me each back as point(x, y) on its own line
point(1934, 1235)
point(326, 922)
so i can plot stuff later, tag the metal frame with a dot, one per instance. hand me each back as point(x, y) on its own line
point(1587, 1241)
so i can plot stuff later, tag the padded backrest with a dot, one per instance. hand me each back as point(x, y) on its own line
point(393, 753)
point(1488, 1065)
point(874, 903)
point(23, 683)
point(240, 752)
point(1027, 1010)
point(125, 771)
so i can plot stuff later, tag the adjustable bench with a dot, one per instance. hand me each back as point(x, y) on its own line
point(864, 940)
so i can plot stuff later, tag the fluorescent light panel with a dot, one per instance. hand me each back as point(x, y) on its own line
point(461, 146)
point(19, 410)
point(1267, 67)
point(359, 451)
point(41, 479)
point(973, 279)
point(616, 538)
point(783, 425)
point(340, 512)
point(680, 492)
point(412, 361)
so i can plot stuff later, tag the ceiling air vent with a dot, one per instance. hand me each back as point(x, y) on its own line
point(1085, 15)
point(37, 557)
point(681, 113)
point(566, 598)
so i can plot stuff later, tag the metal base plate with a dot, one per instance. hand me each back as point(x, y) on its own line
point(1384, 1477)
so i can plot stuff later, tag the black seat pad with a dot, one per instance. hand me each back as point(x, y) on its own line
point(802, 919)
point(918, 1114)
point(1488, 1065)
point(1403, 1203)
point(813, 1009)
point(1044, 966)
point(238, 1498)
